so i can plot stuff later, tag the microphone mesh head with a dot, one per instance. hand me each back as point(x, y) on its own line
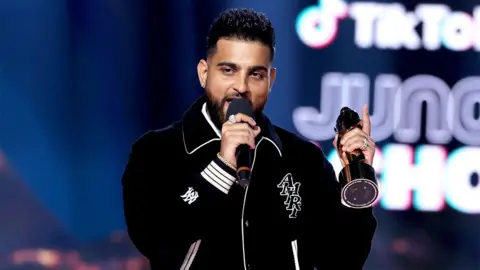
point(240, 105)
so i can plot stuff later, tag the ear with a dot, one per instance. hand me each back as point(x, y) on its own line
point(271, 78)
point(202, 69)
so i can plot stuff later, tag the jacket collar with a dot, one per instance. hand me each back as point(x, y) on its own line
point(198, 129)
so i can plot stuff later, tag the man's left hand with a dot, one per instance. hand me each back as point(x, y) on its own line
point(356, 138)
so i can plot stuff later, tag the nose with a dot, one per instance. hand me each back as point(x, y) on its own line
point(241, 85)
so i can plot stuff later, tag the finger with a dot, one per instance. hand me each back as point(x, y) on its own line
point(340, 155)
point(227, 123)
point(351, 134)
point(251, 142)
point(228, 133)
point(366, 120)
point(240, 117)
point(360, 138)
point(238, 126)
point(371, 143)
point(256, 131)
point(241, 138)
point(252, 136)
point(344, 158)
point(357, 143)
point(353, 144)
point(241, 126)
point(356, 132)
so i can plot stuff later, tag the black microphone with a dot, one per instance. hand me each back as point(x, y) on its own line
point(243, 152)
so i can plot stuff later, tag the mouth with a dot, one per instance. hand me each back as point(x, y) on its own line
point(226, 105)
point(230, 99)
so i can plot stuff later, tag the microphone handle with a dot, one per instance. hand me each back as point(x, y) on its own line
point(244, 164)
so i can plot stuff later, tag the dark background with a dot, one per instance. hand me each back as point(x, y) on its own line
point(80, 80)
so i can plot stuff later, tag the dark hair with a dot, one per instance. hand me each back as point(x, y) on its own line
point(243, 24)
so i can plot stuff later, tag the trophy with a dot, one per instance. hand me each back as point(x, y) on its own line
point(357, 179)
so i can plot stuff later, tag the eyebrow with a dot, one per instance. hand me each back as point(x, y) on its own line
point(235, 66)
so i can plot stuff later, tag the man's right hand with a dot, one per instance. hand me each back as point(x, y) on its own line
point(235, 134)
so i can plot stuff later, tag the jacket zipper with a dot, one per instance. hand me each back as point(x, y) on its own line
point(192, 252)
point(295, 254)
point(243, 230)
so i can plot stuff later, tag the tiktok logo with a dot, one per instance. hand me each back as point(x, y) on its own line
point(391, 26)
point(317, 26)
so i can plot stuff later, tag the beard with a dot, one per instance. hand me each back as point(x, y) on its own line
point(215, 108)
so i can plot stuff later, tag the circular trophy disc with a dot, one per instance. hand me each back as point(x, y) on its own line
point(360, 193)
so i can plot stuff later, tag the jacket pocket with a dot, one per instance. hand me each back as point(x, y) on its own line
point(295, 254)
point(192, 252)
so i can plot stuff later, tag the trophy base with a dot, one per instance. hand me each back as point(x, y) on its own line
point(359, 185)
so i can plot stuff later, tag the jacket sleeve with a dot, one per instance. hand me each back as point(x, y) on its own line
point(165, 210)
point(343, 236)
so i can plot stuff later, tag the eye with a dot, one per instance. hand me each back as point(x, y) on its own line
point(227, 70)
point(258, 75)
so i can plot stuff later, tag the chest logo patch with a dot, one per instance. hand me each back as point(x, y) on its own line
point(190, 196)
point(290, 190)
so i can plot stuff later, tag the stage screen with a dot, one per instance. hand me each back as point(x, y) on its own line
point(81, 80)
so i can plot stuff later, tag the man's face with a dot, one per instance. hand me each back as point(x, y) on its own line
point(236, 69)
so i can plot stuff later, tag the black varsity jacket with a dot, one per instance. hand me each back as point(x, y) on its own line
point(184, 209)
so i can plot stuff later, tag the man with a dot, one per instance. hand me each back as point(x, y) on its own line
point(183, 206)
